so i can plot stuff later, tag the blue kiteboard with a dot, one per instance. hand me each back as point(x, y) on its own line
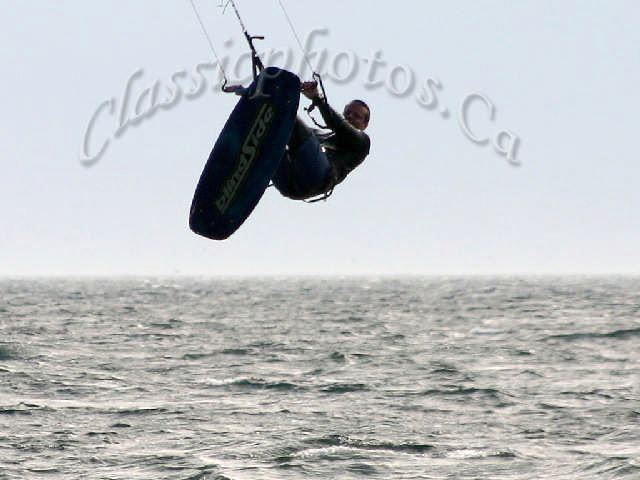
point(246, 155)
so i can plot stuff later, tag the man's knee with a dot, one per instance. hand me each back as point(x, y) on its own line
point(299, 135)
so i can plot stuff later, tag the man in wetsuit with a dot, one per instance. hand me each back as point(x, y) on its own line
point(316, 161)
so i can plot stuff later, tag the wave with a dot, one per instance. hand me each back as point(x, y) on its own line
point(473, 453)
point(140, 411)
point(345, 388)
point(444, 368)
point(266, 385)
point(43, 470)
point(344, 441)
point(617, 334)
point(255, 384)
point(236, 351)
point(463, 391)
point(614, 467)
point(23, 409)
point(169, 324)
point(226, 351)
point(121, 425)
point(7, 353)
point(332, 444)
point(338, 357)
point(14, 411)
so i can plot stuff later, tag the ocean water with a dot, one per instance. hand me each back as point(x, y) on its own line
point(335, 378)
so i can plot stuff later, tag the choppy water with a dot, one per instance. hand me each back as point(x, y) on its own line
point(437, 378)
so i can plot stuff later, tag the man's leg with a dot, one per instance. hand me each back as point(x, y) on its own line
point(299, 135)
point(304, 168)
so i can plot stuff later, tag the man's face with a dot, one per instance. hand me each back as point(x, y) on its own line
point(357, 115)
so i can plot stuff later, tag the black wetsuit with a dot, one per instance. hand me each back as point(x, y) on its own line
point(316, 161)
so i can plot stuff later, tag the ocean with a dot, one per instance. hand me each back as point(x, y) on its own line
point(320, 378)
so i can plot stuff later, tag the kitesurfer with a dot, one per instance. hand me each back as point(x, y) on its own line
point(315, 161)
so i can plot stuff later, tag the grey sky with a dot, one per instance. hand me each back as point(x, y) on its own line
point(563, 76)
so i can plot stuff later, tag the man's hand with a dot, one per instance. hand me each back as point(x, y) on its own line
point(310, 90)
point(237, 89)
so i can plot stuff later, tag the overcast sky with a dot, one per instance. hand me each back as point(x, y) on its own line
point(562, 77)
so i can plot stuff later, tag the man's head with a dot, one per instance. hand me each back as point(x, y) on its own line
point(357, 113)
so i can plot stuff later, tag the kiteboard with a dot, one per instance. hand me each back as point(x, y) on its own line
point(245, 155)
